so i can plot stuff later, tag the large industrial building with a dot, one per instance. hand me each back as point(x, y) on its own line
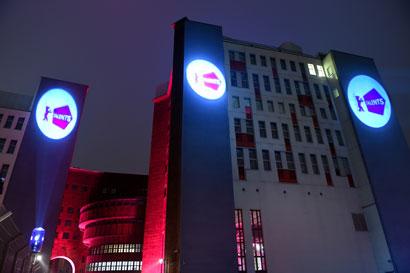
point(268, 159)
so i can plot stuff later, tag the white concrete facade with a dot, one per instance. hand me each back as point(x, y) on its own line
point(308, 225)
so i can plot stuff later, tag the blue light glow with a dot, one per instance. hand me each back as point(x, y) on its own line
point(37, 239)
point(56, 113)
point(369, 101)
point(206, 79)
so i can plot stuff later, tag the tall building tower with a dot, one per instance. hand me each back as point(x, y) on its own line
point(270, 148)
point(14, 114)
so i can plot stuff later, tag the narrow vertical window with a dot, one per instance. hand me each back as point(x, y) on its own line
point(323, 113)
point(12, 146)
point(296, 130)
point(292, 66)
point(234, 79)
point(263, 61)
point(297, 88)
point(317, 91)
point(235, 102)
point(339, 138)
point(253, 159)
point(302, 162)
point(249, 127)
point(281, 107)
point(274, 130)
point(240, 240)
point(258, 246)
point(9, 122)
point(319, 136)
point(266, 160)
point(278, 159)
point(320, 71)
point(252, 59)
point(266, 83)
point(329, 136)
point(285, 130)
point(20, 123)
point(311, 69)
point(278, 88)
point(308, 134)
point(262, 129)
point(237, 124)
point(287, 87)
point(289, 161)
point(244, 80)
point(315, 166)
point(283, 64)
point(2, 143)
point(270, 106)
point(255, 80)
point(302, 110)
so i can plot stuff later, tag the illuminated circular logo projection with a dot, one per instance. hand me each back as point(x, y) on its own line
point(206, 79)
point(56, 113)
point(369, 101)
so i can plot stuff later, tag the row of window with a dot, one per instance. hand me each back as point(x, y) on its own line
point(116, 248)
point(11, 148)
point(285, 160)
point(240, 56)
point(304, 111)
point(115, 266)
point(274, 132)
point(300, 87)
point(259, 259)
point(75, 187)
point(9, 122)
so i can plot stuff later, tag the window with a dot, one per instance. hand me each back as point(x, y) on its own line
point(9, 122)
point(336, 165)
point(234, 79)
point(359, 222)
point(283, 64)
point(339, 138)
point(274, 130)
point(325, 163)
point(235, 102)
point(311, 69)
point(4, 170)
point(266, 160)
point(302, 110)
point(258, 247)
point(306, 86)
point(244, 79)
point(302, 162)
point(2, 142)
point(67, 223)
point(249, 127)
point(247, 102)
point(278, 88)
point(255, 79)
point(238, 126)
point(259, 105)
point(241, 57)
point(252, 59)
point(345, 165)
point(297, 88)
point(289, 161)
point(292, 66)
point(240, 241)
point(20, 123)
point(285, 130)
point(317, 91)
point(329, 136)
point(253, 159)
point(319, 136)
point(320, 71)
point(263, 61)
point(333, 113)
point(266, 83)
point(323, 113)
point(12, 146)
point(308, 134)
point(287, 87)
point(296, 130)
point(270, 106)
point(278, 159)
point(315, 166)
point(281, 107)
point(262, 129)
point(70, 210)
point(292, 108)
point(1, 117)
point(66, 235)
point(231, 55)
point(273, 62)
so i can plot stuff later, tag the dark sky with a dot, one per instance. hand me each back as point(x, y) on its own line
point(123, 50)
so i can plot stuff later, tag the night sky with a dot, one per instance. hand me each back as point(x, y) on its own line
point(123, 50)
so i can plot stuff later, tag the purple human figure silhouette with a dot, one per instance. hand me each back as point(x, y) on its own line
point(46, 113)
point(359, 103)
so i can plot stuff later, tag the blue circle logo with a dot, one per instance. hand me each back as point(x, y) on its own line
point(56, 113)
point(206, 79)
point(369, 101)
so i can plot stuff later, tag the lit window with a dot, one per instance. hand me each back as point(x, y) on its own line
point(240, 241)
point(320, 71)
point(312, 70)
point(258, 247)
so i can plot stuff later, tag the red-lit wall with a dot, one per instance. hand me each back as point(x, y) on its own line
point(76, 194)
point(154, 234)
